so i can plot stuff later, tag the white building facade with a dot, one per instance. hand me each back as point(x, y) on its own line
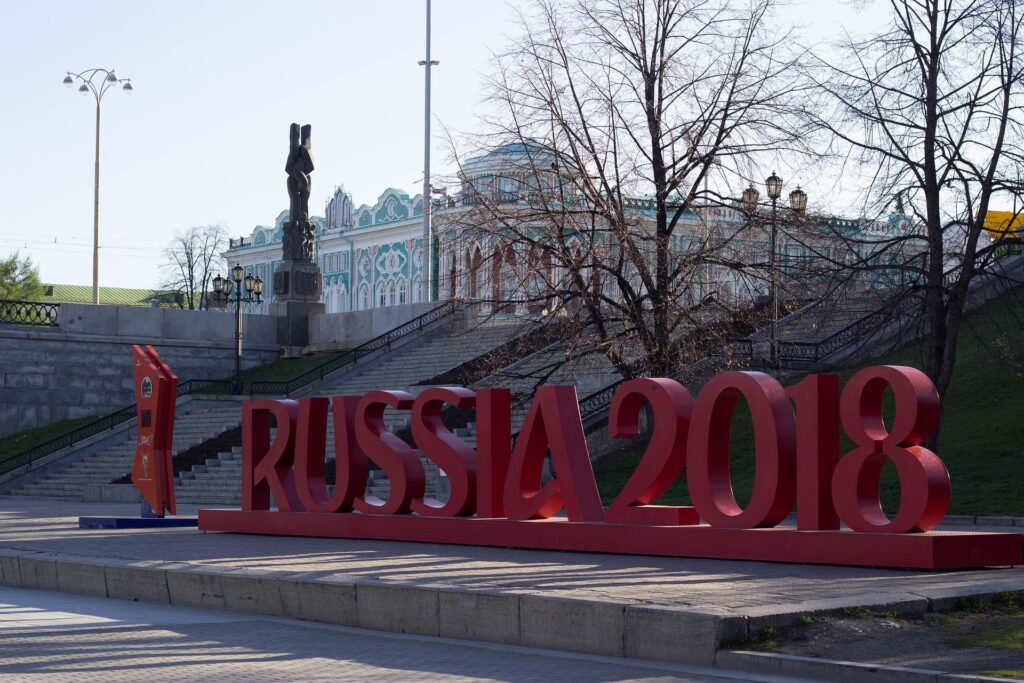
point(372, 256)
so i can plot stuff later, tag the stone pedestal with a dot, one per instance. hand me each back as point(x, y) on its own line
point(296, 289)
point(293, 323)
point(297, 281)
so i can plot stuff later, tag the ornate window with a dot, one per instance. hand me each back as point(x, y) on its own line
point(401, 291)
point(364, 297)
point(382, 300)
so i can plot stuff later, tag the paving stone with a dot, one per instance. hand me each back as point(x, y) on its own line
point(674, 635)
point(81, 577)
point(476, 615)
point(137, 583)
point(195, 588)
point(574, 625)
point(400, 608)
point(10, 569)
point(325, 601)
point(38, 572)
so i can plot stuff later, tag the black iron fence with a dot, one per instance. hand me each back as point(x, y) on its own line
point(380, 344)
point(67, 439)
point(34, 313)
point(856, 332)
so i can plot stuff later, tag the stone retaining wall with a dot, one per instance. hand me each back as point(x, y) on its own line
point(83, 367)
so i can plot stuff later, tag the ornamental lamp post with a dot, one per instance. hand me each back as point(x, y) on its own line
point(774, 187)
point(253, 293)
point(98, 82)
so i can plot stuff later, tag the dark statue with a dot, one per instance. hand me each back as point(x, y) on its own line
point(299, 232)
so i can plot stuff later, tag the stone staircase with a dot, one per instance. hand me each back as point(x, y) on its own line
point(68, 483)
point(218, 481)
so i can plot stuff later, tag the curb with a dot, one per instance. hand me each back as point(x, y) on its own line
point(834, 670)
point(528, 619)
point(593, 627)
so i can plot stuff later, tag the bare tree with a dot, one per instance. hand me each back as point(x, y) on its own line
point(628, 129)
point(191, 262)
point(927, 112)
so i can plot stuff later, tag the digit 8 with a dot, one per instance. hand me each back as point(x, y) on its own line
point(924, 481)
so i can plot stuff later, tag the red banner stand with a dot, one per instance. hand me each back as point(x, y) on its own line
point(156, 389)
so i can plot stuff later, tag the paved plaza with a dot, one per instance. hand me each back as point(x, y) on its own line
point(58, 637)
point(643, 607)
point(747, 588)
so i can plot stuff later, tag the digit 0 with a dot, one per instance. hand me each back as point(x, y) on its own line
point(924, 481)
point(775, 450)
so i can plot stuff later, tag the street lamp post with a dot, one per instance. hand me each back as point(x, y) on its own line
point(97, 81)
point(426, 269)
point(253, 292)
point(774, 185)
point(749, 203)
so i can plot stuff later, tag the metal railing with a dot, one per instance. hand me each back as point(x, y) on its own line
point(381, 343)
point(227, 386)
point(67, 439)
point(33, 313)
point(861, 329)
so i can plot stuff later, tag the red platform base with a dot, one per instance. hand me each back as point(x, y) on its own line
point(934, 550)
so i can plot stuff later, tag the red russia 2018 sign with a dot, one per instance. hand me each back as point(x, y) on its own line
point(498, 498)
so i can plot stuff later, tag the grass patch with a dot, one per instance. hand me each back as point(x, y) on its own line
point(285, 369)
point(764, 640)
point(981, 432)
point(1003, 673)
point(30, 438)
point(1004, 634)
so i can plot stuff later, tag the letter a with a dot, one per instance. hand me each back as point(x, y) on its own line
point(553, 422)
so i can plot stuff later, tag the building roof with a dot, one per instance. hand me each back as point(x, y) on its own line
point(116, 296)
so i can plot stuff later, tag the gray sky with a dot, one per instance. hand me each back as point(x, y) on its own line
point(204, 137)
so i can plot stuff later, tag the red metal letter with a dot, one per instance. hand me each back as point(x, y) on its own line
point(553, 421)
point(493, 448)
point(708, 451)
point(394, 456)
point(665, 457)
point(924, 481)
point(266, 467)
point(350, 464)
point(817, 450)
point(444, 449)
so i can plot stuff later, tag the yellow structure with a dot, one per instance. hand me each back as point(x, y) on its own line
point(1000, 224)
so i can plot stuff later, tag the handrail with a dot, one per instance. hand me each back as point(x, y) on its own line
point(34, 313)
point(68, 439)
point(227, 386)
point(378, 343)
point(850, 334)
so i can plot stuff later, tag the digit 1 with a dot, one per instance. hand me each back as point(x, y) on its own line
point(817, 450)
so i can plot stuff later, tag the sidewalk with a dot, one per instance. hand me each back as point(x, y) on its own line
point(637, 606)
